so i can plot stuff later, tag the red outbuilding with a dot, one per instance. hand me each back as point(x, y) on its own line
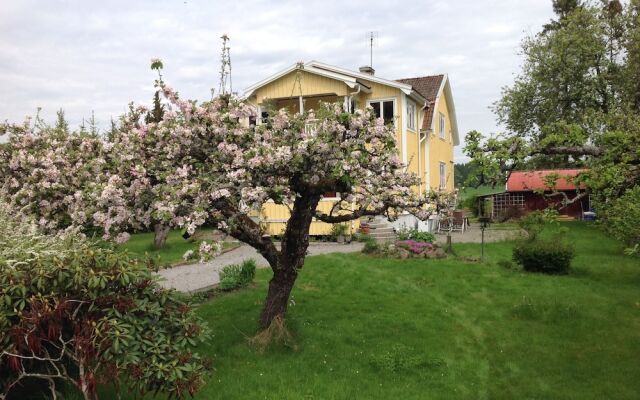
point(536, 190)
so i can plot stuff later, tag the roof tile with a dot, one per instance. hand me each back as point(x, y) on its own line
point(428, 87)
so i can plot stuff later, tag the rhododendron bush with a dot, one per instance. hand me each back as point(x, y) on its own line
point(75, 313)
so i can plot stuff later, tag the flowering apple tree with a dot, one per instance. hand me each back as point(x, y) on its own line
point(218, 170)
point(47, 171)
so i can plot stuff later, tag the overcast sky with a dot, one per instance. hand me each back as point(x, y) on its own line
point(94, 55)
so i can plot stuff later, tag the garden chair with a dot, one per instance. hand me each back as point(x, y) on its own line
point(459, 221)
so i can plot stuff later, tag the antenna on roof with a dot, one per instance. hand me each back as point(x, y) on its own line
point(372, 37)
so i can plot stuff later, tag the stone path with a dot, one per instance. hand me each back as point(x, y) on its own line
point(194, 277)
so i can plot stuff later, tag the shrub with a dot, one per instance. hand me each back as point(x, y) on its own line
point(622, 219)
point(416, 235)
point(370, 244)
point(237, 275)
point(337, 230)
point(76, 312)
point(534, 222)
point(471, 203)
point(547, 256)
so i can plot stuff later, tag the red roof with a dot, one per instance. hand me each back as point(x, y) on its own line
point(520, 181)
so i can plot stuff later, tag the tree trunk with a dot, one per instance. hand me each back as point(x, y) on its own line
point(278, 296)
point(295, 242)
point(161, 232)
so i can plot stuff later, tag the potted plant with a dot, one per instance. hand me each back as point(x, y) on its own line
point(338, 231)
point(364, 228)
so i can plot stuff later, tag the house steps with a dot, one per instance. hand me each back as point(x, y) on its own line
point(565, 218)
point(380, 229)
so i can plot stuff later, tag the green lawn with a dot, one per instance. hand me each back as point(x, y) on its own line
point(370, 328)
point(171, 254)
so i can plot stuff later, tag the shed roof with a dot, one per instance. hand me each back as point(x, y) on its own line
point(520, 181)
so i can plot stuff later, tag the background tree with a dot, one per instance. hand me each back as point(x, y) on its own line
point(46, 171)
point(574, 104)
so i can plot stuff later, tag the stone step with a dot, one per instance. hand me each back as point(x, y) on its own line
point(383, 229)
point(388, 231)
point(383, 236)
point(377, 226)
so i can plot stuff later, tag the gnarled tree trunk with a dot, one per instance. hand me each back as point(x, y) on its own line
point(160, 233)
point(295, 243)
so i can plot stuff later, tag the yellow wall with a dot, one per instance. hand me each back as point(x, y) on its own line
point(439, 149)
point(274, 216)
point(285, 87)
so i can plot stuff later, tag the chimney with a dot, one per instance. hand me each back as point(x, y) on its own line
point(368, 70)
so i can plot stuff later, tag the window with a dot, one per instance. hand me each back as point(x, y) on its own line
point(384, 109)
point(443, 175)
point(411, 116)
point(442, 133)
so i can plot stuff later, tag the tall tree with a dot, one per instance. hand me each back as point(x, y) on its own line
point(574, 103)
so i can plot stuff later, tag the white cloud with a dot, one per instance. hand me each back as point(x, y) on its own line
point(83, 56)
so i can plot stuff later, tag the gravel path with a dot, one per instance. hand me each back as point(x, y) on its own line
point(473, 234)
point(194, 277)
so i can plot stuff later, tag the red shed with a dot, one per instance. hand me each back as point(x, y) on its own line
point(529, 190)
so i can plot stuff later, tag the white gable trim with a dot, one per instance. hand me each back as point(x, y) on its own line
point(445, 88)
point(348, 80)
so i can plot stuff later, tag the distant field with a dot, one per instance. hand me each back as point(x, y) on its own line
point(471, 191)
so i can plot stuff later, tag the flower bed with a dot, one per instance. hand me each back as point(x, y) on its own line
point(409, 249)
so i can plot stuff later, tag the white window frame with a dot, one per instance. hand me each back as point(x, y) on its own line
point(443, 175)
point(411, 116)
point(442, 126)
point(395, 104)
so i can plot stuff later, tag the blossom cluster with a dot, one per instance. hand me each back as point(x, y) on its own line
point(201, 163)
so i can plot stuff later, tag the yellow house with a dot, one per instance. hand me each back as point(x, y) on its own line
point(421, 109)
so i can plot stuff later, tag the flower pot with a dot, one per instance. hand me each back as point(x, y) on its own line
point(340, 239)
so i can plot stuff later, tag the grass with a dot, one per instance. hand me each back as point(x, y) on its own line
point(368, 328)
point(170, 255)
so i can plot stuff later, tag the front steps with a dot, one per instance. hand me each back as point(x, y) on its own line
point(380, 229)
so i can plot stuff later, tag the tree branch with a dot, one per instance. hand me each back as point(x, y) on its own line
point(243, 228)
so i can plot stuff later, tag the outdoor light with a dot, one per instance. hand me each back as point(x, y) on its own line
point(484, 223)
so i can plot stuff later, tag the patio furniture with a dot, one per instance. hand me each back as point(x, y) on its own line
point(457, 222)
